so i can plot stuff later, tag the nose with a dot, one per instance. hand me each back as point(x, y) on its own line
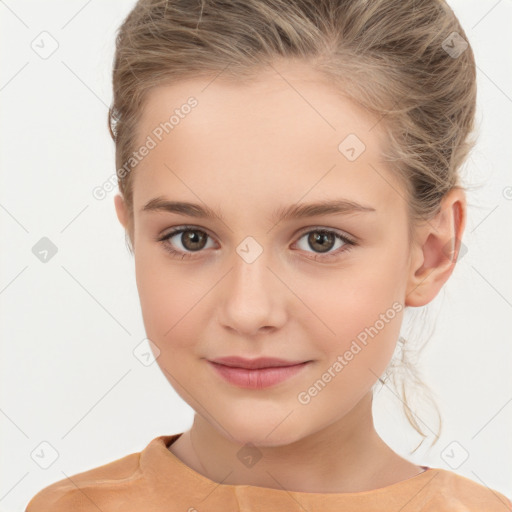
point(251, 297)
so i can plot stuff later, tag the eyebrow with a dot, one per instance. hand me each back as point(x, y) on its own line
point(294, 211)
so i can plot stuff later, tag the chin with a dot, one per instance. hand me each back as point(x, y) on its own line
point(268, 431)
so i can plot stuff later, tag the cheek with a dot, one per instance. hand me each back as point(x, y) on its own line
point(357, 309)
point(360, 326)
point(167, 299)
point(167, 303)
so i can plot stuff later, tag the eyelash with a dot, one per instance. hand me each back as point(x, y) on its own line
point(349, 243)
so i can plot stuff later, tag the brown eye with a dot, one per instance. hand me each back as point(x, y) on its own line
point(191, 240)
point(322, 241)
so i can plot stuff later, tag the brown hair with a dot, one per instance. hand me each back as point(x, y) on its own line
point(407, 62)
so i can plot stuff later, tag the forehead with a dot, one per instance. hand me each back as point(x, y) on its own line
point(290, 96)
point(287, 130)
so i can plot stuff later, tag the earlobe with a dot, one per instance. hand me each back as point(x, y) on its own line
point(121, 210)
point(438, 248)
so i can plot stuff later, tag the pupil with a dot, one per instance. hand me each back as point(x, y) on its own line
point(320, 238)
point(194, 238)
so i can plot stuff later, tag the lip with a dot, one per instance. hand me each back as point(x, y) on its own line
point(251, 364)
point(257, 377)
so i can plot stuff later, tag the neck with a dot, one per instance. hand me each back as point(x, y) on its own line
point(345, 456)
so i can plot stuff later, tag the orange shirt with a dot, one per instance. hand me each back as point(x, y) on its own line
point(156, 480)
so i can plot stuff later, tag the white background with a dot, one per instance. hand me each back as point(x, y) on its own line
point(69, 326)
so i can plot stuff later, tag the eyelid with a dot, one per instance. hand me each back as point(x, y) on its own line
point(348, 240)
point(184, 227)
point(348, 237)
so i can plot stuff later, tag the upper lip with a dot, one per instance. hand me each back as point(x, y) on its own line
point(260, 362)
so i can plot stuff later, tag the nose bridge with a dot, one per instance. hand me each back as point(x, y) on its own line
point(251, 263)
point(251, 296)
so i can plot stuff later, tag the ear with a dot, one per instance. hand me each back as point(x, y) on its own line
point(436, 247)
point(121, 210)
point(124, 219)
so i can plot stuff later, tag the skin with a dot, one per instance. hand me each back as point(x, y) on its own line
point(246, 150)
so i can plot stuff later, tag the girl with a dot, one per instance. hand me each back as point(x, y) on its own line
point(288, 175)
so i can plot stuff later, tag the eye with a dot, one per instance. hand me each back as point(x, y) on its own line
point(191, 239)
point(194, 240)
point(323, 240)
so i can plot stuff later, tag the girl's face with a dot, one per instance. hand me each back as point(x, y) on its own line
point(254, 283)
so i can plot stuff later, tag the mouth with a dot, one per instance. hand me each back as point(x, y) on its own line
point(256, 364)
point(257, 377)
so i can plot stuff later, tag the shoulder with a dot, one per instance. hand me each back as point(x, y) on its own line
point(449, 491)
point(91, 490)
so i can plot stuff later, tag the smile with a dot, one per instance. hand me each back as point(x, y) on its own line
point(257, 378)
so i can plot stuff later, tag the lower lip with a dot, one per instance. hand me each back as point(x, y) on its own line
point(257, 379)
